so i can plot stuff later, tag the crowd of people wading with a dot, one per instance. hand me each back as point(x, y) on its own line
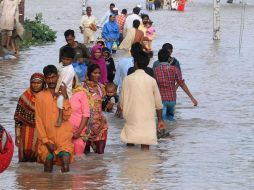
point(60, 116)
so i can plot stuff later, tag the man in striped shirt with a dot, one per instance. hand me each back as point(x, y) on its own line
point(168, 77)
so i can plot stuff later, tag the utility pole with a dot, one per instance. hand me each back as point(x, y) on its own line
point(22, 11)
point(216, 19)
point(84, 5)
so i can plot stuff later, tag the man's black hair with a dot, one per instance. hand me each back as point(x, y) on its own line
point(136, 24)
point(136, 48)
point(68, 52)
point(69, 33)
point(142, 60)
point(112, 5)
point(167, 46)
point(163, 55)
point(144, 16)
point(124, 11)
point(136, 10)
point(50, 69)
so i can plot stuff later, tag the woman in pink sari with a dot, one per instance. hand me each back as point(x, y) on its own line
point(97, 58)
point(79, 117)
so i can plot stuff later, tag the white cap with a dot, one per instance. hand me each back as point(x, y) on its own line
point(139, 6)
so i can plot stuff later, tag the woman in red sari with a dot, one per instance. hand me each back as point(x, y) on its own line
point(99, 128)
point(25, 131)
point(6, 149)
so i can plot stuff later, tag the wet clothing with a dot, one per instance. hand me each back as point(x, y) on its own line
point(168, 111)
point(46, 114)
point(99, 128)
point(80, 51)
point(25, 120)
point(140, 99)
point(167, 74)
point(80, 108)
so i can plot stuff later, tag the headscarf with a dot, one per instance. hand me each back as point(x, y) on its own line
point(37, 76)
point(101, 62)
point(77, 87)
point(6, 149)
point(113, 24)
point(25, 111)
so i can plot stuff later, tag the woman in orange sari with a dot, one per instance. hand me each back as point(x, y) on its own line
point(99, 128)
point(25, 131)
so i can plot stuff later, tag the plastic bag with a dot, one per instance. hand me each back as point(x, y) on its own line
point(114, 46)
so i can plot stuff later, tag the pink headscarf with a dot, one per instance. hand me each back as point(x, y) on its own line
point(101, 62)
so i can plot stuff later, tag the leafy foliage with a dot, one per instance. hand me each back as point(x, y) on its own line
point(41, 33)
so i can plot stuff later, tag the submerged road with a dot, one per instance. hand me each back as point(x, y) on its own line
point(210, 147)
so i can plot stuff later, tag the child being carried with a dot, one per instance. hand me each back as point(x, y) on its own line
point(66, 74)
point(110, 99)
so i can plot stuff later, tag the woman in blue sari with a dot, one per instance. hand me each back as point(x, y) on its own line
point(111, 33)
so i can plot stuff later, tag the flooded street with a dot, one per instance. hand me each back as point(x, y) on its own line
point(211, 146)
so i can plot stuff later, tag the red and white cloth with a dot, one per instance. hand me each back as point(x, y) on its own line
point(6, 149)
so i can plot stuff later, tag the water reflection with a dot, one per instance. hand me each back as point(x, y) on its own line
point(139, 167)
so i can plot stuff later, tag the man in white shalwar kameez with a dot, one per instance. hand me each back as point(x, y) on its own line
point(140, 100)
point(88, 25)
point(9, 13)
point(129, 20)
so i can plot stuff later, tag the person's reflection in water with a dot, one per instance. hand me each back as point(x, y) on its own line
point(139, 167)
point(89, 173)
point(41, 181)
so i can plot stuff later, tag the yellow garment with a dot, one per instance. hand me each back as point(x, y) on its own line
point(85, 23)
point(140, 98)
point(46, 114)
point(143, 29)
point(78, 87)
point(128, 40)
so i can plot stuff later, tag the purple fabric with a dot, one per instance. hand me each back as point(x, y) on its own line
point(101, 62)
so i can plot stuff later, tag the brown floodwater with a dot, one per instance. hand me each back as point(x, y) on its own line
point(211, 146)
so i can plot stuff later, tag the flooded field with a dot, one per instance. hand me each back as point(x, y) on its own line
point(211, 146)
